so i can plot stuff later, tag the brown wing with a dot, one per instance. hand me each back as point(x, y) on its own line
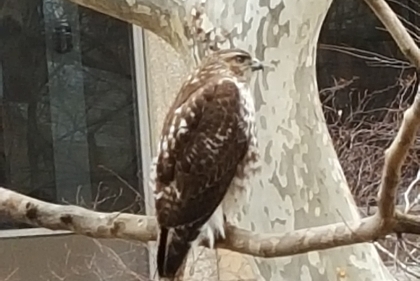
point(202, 144)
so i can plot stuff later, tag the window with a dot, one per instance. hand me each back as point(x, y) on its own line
point(68, 107)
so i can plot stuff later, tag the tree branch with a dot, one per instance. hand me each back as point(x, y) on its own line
point(394, 159)
point(397, 152)
point(407, 223)
point(76, 219)
point(397, 30)
point(165, 18)
point(143, 228)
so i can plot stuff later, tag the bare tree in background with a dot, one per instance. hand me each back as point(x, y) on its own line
point(365, 86)
point(300, 200)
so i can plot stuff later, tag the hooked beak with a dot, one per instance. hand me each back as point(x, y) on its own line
point(256, 65)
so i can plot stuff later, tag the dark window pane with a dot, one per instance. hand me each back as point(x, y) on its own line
point(69, 127)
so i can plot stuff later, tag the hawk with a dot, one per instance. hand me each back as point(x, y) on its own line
point(207, 149)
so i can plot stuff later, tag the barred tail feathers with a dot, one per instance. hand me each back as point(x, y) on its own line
point(174, 243)
point(173, 248)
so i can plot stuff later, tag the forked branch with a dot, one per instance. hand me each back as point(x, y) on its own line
point(397, 152)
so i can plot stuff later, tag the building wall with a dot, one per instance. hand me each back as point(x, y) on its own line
point(165, 71)
point(71, 257)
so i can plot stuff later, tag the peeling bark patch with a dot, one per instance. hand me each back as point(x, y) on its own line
point(246, 27)
point(239, 7)
point(267, 154)
point(260, 49)
point(263, 122)
point(274, 180)
point(286, 133)
point(287, 169)
point(117, 227)
point(303, 57)
point(225, 12)
point(253, 226)
point(303, 31)
point(279, 221)
point(270, 31)
point(275, 62)
point(317, 211)
point(258, 98)
point(244, 210)
point(276, 31)
point(305, 275)
point(242, 34)
point(303, 195)
point(264, 3)
point(281, 180)
point(266, 211)
point(314, 259)
point(31, 212)
point(265, 269)
point(102, 229)
point(66, 219)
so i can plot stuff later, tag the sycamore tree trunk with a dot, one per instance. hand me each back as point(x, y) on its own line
point(301, 183)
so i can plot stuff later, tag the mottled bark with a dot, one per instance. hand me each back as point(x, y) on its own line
point(301, 184)
point(143, 228)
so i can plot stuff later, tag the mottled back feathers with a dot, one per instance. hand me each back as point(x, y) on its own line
point(205, 142)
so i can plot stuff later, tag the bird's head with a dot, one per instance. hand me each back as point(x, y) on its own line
point(239, 62)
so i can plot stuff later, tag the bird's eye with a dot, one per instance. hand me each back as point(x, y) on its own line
point(240, 59)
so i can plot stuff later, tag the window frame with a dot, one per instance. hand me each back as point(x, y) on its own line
point(144, 117)
point(141, 90)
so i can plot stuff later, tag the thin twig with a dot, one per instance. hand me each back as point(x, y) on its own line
point(396, 260)
point(408, 191)
point(397, 30)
